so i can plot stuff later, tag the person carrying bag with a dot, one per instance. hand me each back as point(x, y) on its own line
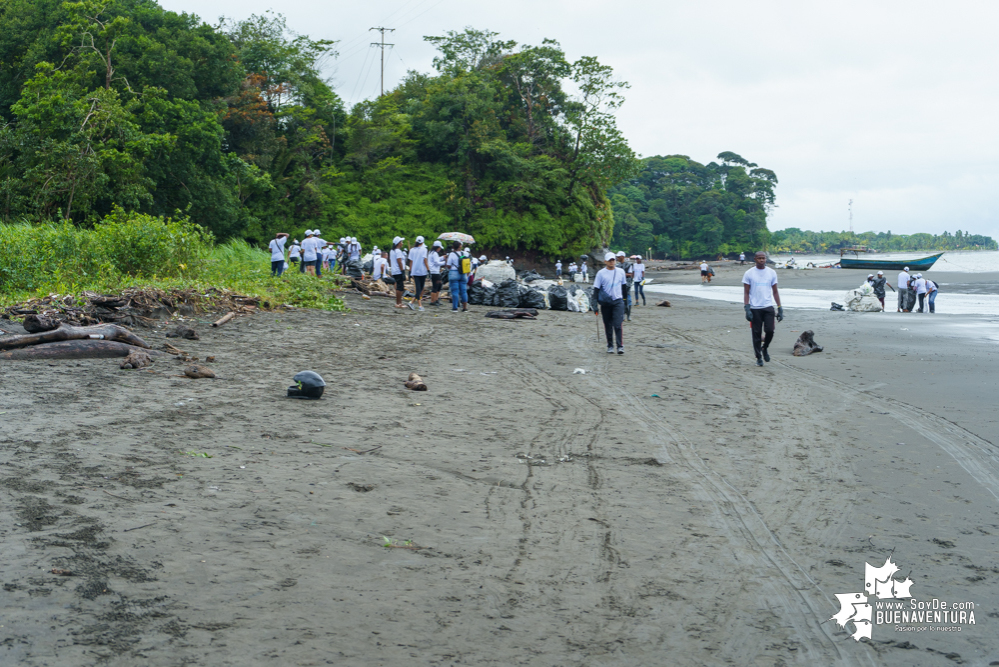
point(610, 302)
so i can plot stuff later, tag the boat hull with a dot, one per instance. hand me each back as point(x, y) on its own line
point(921, 264)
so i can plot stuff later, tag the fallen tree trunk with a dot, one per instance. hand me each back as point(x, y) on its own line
point(66, 332)
point(74, 349)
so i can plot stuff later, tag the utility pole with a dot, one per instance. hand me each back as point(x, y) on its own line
point(382, 44)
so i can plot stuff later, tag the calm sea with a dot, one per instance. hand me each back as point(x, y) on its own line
point(960, 262)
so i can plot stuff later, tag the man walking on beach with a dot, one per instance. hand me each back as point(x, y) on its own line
point(558, 269)
point(759, 296)
point(585, 271)
point(638, 269)
point(608, 288)
point(277, 254)
point(742, 258)
point(903, 285)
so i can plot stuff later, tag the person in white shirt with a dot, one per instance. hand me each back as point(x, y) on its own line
point(639, 272)
point(435, 261)
point(419, 269)
point(742, 258)
point(277, 254)
point(355, 248)
point(319, 245)
point(379, 266)
point(932, 289)
point(457, 278)
point(607, 286)
point(309, 252)
point(397, 266)
point(584, 270)
point(920, 291)
point(558, 269)
point(759, 296)
point(902, 285)
point(572, 271)
point(295, 254)
point(704, 272)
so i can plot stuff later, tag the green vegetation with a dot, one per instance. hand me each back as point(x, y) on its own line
point(138, 250)
point(108, 103)
point(683, 209)
point(796, 240)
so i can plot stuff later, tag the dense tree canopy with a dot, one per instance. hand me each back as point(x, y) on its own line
point(680, 208)
point(119, 102)
point(796, 240)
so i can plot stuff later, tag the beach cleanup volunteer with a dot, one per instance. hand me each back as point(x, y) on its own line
point(607, 285)
point(379, 266)
point(397, 266)
point(902, 284)
point(457, 268)
point(628, 268)
point(419, 269)
point(759, 296)
point(435, 261)
point(639, 270)
point(309, 252)
point(277, 254)
point(879, 284)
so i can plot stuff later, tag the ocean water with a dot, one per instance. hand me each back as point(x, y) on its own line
point(947, 302)
point(959, 262)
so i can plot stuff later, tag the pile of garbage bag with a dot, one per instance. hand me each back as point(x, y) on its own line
point(862, 299)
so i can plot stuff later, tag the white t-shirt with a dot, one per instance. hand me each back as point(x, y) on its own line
point(296, 251)
point(761, 282)
point(704, 267)
point(436, 262)
point(920, 286)
point(396, 255)
point(379, 268)
point(903, 280)
point(639, 271)
point(742, 257)
point(277, 249)
point(416, 255)
point(354, 250)
point(309, 247)
point(454, 261)
point(558, 266)
point(583, 269)
point(609, 281)
point(931, 286)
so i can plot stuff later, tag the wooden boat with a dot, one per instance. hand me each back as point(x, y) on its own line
point(921, 264)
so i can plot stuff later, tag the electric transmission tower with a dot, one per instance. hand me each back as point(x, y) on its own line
point(382, 44)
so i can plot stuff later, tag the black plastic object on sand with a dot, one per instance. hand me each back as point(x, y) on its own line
point(532, 298)
point(368, 266)
point(530, 275)
point(508, 294)
point(476, 293)
point(353, 269)
point(308, 385)
point(558, 298)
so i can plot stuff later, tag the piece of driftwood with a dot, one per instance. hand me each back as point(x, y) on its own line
point(38, 323)
point(181, 331)
point(197, 372)
point(664, 304)
point(66, 332)
point(173, 350)
point(514, 314)
point(415, 383)
point(805, 344)
point(222, 320)
point(73, 349)
point(136, 359)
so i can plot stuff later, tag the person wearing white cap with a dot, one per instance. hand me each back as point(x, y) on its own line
point(397, 265)
point(638, 270)
point(309, 252)
point(629, 272)
point(932, 289)
point(435, 260)
point(277, 253)
point(903, 285)
point(319, 244)
point(295, 255)
point(458, 267)
point(419, 269)
point(585, 270)
point(879, 284)
point(379, 265)
point(354, 249)
point(558, 269)
point(921, 292)
point(608, 287)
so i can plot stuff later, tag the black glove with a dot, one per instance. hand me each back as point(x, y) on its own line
point(749, 315)
point(780, 313)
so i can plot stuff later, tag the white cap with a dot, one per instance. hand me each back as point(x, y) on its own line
point(419, 239)
point(309, 232)
point(353, 239)
point(870, 275)
point(397, 239)
point(881, 273)
point(438, 244)
point(906, 268)
point(609, 256)
point(919, 275)
point(482, 258)
point(316, 232)
point(620, 253)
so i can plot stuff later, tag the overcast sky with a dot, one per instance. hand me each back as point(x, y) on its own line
point(892, 104)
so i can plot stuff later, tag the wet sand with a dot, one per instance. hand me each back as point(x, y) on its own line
point(563, 519)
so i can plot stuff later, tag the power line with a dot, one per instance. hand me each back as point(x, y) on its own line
point(382, 44)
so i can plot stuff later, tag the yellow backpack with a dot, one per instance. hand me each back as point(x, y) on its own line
point(466, 265)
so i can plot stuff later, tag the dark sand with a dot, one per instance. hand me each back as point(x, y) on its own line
point(709, 525)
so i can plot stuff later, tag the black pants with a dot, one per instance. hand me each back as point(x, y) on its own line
point(419, 282)
point(435, 282)
point(626, 297)
point(613, 315)
point(921, 297)
point(763, 322)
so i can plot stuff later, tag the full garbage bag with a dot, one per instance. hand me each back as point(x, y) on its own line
point(508, 294)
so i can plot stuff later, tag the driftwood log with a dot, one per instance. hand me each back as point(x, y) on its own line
point(108, 332)
point(222, 320)
point(73, 349)
point(415, 383)
point(38, 323)
point(197, 372)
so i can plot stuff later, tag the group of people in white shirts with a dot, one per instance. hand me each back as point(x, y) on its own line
point(926, 291)
point(314, 254)
point(420, 263)
point(573, 269)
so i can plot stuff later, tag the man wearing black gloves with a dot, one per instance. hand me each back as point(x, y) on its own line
point(759, 296)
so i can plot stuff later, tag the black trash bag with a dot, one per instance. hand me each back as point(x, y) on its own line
point(476, 293)
point(558, 298)
point(508, 294)
point(368, 266)
point(836, 306)
point(529, 276)
point(910, 300)
point(490, 296)
point(444, 276)
point(532, 298)
point(353, 269)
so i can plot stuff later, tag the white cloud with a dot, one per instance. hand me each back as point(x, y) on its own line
point(892, 104)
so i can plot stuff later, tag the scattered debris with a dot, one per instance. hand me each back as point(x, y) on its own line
point(388, 543)
point(665, 304)
point(579, 371)
point(197, 372)
point(415, 383)
point(222, 320)
point(181, 331)
point(210, 359)
point(308, 385)
point(837, 306)
point(805, 344)
point(136, 359)
point(61, 572)
point(514, 314)
point(361, 488)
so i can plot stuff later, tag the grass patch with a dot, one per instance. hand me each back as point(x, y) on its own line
point(128, 250)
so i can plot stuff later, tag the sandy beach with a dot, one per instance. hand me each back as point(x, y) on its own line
point(676, 505)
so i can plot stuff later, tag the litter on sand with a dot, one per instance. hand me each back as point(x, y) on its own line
point(579, 371)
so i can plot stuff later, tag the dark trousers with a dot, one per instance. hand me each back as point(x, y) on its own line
point(301, 266)
point(922, 298)
point(640, 292)
point(613, 315)
point(319, 266)
point(277, 267)
point(419, 282)
point(626, 297)
point(763, 322)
